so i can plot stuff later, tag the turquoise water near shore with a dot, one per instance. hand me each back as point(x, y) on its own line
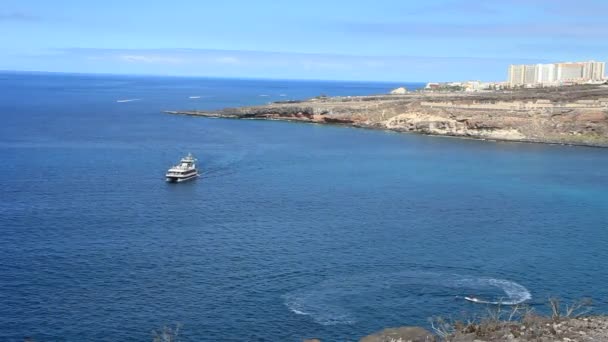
point(293, 231)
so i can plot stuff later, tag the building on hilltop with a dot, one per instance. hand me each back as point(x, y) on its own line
point(570, 72)
point(516, 75)
point(530, 74)
point(546, 74)
point(595, 71)
point(556, 74)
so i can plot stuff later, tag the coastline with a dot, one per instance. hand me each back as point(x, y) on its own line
point(376, 128)
point(574, 116)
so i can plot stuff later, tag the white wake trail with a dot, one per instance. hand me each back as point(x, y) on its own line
point(340, 300)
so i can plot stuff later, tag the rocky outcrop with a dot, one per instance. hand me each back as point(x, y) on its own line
point(530, 329)
point(569, 115)
point(403, 334)
point(587, 329)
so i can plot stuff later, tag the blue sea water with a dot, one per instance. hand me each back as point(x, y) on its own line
point(293, 231)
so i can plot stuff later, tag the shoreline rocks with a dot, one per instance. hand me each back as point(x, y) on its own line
point(402, 334)
point(533, 328)
point(569, 115)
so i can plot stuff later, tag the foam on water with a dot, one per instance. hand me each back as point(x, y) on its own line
point(515, 293)
point(127, 100)
point(331, 302)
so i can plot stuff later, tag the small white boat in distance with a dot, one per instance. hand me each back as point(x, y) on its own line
point(185, 170)
point(472, 299)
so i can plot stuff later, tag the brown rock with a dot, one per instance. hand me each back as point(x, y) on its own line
point(566, 115)
point(402, 334)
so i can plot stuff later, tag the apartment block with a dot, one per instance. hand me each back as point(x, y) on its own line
point(556, 73)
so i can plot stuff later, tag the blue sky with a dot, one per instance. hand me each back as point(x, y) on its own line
point(383, 40)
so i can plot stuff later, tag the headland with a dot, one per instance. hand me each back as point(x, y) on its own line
point(573, 115)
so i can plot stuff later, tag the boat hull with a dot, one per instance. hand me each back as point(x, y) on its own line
point(174, 179)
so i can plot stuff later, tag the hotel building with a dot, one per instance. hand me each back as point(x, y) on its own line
point(556, 74)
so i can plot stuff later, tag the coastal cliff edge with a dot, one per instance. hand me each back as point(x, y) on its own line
point(576, 115)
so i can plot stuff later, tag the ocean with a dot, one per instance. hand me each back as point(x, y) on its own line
point(292, 231)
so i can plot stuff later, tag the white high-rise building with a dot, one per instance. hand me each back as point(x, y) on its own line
point(570, 72)
point(546, 73)
point(594, 71)
point(557, 73)
point(516, 75)
point(530, 74)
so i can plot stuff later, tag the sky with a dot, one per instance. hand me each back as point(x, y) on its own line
point(382, 40)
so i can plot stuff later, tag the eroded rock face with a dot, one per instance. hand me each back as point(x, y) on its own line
point(403, 334)
point(574, 115)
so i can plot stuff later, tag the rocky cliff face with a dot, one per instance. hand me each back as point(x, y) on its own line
point(573, 115)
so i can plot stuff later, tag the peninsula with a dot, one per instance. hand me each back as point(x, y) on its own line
point(575, 115)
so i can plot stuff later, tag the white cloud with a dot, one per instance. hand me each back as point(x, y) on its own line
point(151, 59)
point(228, 60)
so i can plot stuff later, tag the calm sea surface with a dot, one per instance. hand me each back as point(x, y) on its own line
point(293, 231)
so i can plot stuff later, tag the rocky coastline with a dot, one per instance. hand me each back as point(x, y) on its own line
point(528, 329)
point(575, 115)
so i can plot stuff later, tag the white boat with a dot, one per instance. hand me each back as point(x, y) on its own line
point(185, 170)
point(473, 299)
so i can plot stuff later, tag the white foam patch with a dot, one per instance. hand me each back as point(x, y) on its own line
point(319, 307)
point(514, 292)
point(337, 300)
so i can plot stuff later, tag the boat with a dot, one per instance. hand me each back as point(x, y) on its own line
point(185, 170)
point(472, 299)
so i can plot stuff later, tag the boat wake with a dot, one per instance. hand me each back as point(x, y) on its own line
point(127, 100)
point(194, 97)
point(344, 300)
point(514, 293)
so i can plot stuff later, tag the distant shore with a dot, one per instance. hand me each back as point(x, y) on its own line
point(576, 115)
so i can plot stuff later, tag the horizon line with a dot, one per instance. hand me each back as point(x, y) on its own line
point(202, 76)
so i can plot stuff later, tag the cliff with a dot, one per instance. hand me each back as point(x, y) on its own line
point(569, 115)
